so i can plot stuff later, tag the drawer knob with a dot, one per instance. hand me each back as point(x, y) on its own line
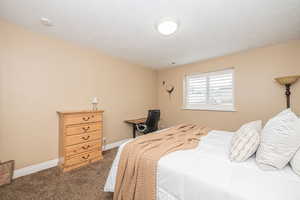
point(85, 138)
point(86, 118)
point(86, 157)
point(86, 128)
point(86, 147)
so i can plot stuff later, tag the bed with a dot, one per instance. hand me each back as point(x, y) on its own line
point(206, 173)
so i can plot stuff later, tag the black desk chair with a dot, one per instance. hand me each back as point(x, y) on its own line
point(151, 123)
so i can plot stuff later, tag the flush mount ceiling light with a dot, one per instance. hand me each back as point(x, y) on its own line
point(46, 22)
point(167, 27)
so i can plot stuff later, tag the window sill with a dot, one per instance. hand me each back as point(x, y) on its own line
point(211, 109)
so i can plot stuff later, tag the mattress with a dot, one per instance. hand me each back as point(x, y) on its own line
point(206, 173)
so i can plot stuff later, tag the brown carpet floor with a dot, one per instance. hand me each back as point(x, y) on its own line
point(86, 183)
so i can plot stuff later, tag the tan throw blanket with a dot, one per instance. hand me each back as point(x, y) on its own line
point(136, 177)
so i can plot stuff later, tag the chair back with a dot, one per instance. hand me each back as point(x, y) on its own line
point(152, 120)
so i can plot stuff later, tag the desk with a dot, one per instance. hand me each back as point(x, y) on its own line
point(134, 122)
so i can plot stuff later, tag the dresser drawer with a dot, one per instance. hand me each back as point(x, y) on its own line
point(75, 166)
point(82, 128)
point(81, 148)
point(81, 158)
point(82, 118)
point(77, 139)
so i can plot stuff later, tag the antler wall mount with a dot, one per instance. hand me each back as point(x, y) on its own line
point(169, 88)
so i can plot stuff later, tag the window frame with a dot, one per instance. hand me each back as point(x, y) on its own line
point(210, 107)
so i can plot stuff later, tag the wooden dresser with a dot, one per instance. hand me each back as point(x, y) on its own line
point(80, 138)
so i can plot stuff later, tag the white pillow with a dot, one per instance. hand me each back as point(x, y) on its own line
point(245, 141)
point(295, 162)
point(280, 141)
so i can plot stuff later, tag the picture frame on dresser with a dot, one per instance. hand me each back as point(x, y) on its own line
point(80, 138)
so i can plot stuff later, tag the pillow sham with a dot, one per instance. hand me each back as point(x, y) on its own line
point(280, 141)
point(295, 162)
point(245, 141)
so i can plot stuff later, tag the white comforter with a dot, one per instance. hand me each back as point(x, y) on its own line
point(206, 173)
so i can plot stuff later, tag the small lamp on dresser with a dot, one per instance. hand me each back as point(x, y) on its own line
point(287, 81)
point(95, 103)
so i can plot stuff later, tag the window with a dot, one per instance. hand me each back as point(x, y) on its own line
point(210, 91)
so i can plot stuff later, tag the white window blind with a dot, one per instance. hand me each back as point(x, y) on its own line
point(210, 91)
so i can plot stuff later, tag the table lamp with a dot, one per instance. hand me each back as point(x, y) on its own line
point(287, 81)
point(95, 103)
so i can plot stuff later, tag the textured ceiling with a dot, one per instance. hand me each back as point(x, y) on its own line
point(126, 28)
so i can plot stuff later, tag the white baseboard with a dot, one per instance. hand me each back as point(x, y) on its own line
point(52, 163)
point(114, 145)
point(35, 168)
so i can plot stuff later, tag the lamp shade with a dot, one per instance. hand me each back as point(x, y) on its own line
point(287, 80)
point(95, 100)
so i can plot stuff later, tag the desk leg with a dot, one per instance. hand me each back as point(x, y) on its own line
point(134, 130)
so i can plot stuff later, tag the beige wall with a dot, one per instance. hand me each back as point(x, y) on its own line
point(40, 75)
point(257, 95)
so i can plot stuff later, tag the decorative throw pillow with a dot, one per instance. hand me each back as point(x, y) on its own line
point(245, 141)
point(280, 141)
point(295, 162)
